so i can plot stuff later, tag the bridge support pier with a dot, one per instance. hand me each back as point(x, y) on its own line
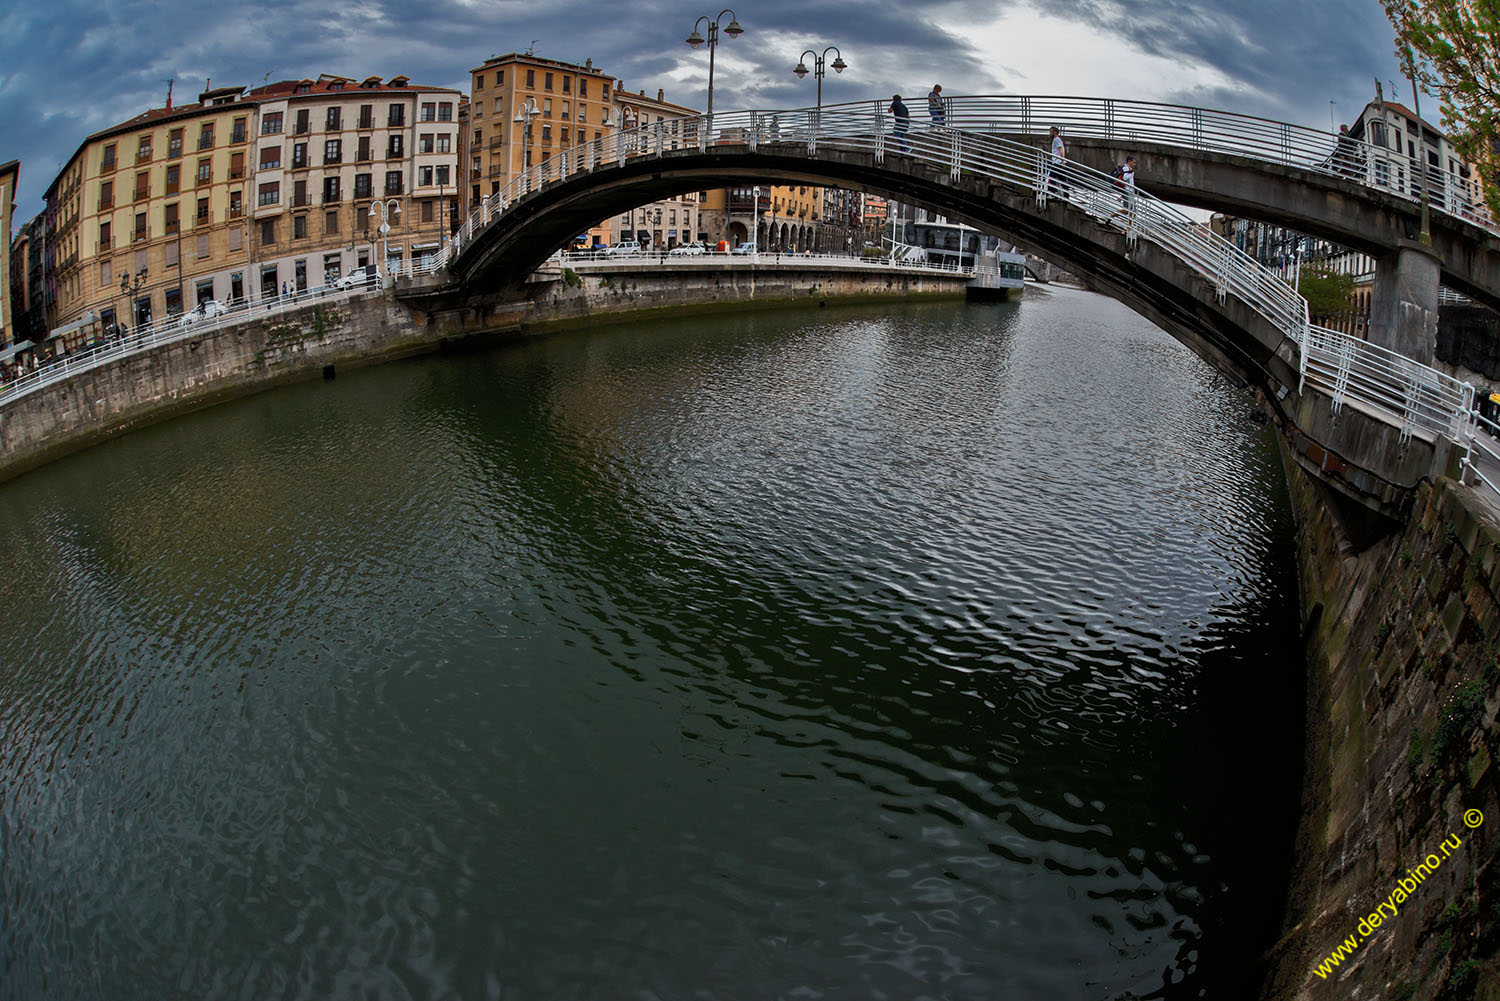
point(1404, 301)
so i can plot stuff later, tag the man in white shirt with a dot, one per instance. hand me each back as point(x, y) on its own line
point(1055, 185)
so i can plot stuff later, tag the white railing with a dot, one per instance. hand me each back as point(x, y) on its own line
point(1225, 132)
point(1483, 457)
point(666, 259)
point(149, 337)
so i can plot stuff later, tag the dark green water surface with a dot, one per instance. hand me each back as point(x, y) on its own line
point(938, 651)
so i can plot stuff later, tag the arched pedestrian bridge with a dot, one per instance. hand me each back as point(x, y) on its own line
point(1370, 421)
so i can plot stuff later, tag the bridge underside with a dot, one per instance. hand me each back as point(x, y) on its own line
point(1363, 457)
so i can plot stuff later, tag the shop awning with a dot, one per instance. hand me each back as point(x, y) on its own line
point(68, 328)
point(8, 353)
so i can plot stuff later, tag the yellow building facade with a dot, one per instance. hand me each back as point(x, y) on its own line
point(239, 194)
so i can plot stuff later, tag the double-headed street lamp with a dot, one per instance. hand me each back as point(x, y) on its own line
point(732, 29)
point(387, 208)
point(128, 288)
point(838, 65)
point(524, 114)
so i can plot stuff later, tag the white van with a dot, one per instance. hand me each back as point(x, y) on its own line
point(625, 248)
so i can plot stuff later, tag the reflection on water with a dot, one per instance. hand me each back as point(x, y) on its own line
point(947, 651)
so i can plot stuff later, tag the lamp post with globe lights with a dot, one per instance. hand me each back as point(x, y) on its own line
point(733, 30)
point(385, 210)
point(838, 65)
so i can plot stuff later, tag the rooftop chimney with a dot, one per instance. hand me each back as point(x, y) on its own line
point(588, 63)
point(661, 95)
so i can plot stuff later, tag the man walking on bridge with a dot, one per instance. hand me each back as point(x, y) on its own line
point(903, 119)
point(935, 105)
point(1054, 183)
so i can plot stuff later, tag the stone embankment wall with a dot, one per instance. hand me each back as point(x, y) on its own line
point(1402, 642)
point(302, 344)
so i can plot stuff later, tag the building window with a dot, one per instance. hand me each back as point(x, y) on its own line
point(299, 155)
point(270, 157)
point(531, 79)
point(567, 110)
point(104, 236)
point(104, 274)
point(202, 246)
point(206, 170)
point(174, 178)
point(500, 78)
point(236, 239)
point(109, 158)
point(140, 226)
point(142, 185)
point(361, 185)
point(479, 81)
point(202, 210)
point(331, 222)
point(106, 195)
point(333, 151)
point(174, 144)
point(567, 84)
point(427, 214)
point(236, 166)
point(605, 87)
point(547, 82)
point(299, 227)
point(206, 136)
point(330, 190)
point(271, 124)
point(333, 120)
point(424, 143)
point(397, 116)
point(304, 121)
point(393, 148)
point(143, 150)
point(270, 194)
point(367, 116)
point(583, 88)
point(237, 134)
point(445, 144)
point(546, 107)
point(393, 182)
point(267, 232)
point(429, 112)
point(236, 207)
point(445, 111)
point(299, 193)
point(424, 176)
point(546, 132)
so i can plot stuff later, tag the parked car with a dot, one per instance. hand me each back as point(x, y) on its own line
point(205, 310)
point(744, 248)
point(358, 278)
point(625, 247)
point(687, 250)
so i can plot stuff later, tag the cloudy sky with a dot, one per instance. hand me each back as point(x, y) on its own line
point(72, 67)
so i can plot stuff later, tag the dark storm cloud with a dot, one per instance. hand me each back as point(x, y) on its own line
point(72, 67)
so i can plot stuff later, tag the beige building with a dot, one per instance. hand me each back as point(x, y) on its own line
point(10, 176)
point(232, 196)
point(326, 152)
point(669, 222)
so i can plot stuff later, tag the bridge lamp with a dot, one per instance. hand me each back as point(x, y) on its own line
point(732, 29)
point(527, 111)
point(819, 68)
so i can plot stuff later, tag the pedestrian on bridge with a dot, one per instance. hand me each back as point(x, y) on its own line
point(1054, 183)
point(935, 105)
point(1124, 177)
point(903, 119)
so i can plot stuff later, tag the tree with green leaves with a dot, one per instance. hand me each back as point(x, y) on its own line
point(1329, 294)
point(1453, 49)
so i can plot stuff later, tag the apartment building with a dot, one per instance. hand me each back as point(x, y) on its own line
point(561, 105)
point(1406, 152)
point(329, 151)
point(240, 193)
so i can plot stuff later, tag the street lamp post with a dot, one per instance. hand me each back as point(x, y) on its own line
point(387, 208)
point(128, 288)
point(524, 115)
point(733, 30)
point(838, 65)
